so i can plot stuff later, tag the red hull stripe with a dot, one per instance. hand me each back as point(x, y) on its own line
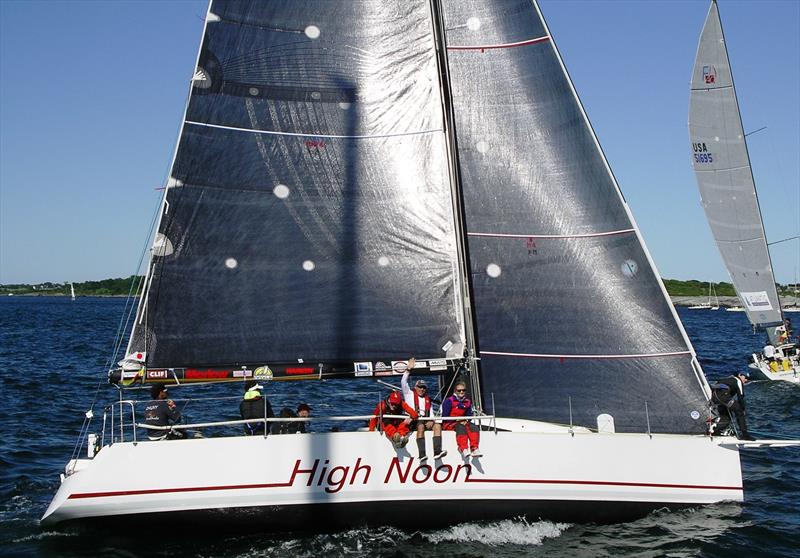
point(476, 480)
point(606, 483)
point(505, 45)
point(168, 490)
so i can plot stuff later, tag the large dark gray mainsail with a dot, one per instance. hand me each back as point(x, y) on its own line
point(308, 213)
point(725, 179)
point(572, 320)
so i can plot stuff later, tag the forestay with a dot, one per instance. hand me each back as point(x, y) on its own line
point(722, 167)
point(308, 213)
point(571, 317)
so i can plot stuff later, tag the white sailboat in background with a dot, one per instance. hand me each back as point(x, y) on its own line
point(727, 188)
point(348, 190)
point(708, 305)
point(72, 290)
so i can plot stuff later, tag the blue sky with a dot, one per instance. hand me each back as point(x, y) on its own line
point(92, 93)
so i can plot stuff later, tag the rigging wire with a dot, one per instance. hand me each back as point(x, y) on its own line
point(136, 281)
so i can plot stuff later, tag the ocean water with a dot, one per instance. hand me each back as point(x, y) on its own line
point(52, 356)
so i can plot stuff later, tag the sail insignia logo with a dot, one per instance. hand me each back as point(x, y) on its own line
point(263, 373)
point(315, 143)
point(709, 74)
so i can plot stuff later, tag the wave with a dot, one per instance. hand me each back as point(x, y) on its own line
point(516, 531)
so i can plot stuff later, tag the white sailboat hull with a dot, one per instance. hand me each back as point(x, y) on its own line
point(358, 478)
point(760, 370)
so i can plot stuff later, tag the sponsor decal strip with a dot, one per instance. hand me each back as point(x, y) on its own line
point(502, 45)
point(587, 235)
point(470, 479)
point(539, 355)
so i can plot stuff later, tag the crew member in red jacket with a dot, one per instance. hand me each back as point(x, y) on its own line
point(419, 400)
point(459, 405)
point(396, 429)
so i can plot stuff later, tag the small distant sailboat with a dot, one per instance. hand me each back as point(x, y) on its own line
point(72, 290)
point(727, 187)
point(712, 292)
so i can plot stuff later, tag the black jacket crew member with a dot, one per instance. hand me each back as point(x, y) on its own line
point(255, 406)
point(161, 412)
point(729, 395)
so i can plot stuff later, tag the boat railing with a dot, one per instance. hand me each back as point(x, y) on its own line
point(476, 418)
point(120, 423)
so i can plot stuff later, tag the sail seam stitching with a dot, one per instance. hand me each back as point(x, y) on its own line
point(741, 240)
point(310, 135)
point(501, 45)
point(726, 169)
point(542, 355)
point(583, 235)
point(712, 88)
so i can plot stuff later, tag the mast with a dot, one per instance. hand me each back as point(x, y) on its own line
point(471, 349)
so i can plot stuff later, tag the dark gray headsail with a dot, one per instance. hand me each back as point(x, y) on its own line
point(572, 320)
point(725, 178)
point(308, 214)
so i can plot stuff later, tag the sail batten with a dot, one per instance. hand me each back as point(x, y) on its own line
point(314, 134)
point(535, 235)
point(496, 46)
point(586, 356)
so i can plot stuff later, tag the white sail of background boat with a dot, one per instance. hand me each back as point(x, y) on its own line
point(72, 291)
point(711, 304)
point(356, 182)
point(727, 188)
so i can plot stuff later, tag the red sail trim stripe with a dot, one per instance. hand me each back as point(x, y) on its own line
point(600, 357)
point(504, 45)
point(476, 480)
point(606, 483)
point(585, 235)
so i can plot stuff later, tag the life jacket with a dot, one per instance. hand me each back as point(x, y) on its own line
point(383, 408)
point(459, 408)
point(423, 410)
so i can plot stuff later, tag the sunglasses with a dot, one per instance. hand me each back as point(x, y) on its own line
point(460, 390)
